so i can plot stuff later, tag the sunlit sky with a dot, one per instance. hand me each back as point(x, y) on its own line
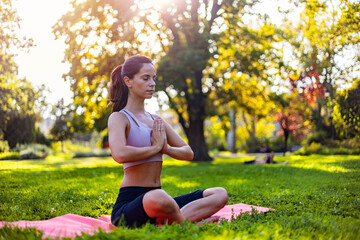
point(42, 64)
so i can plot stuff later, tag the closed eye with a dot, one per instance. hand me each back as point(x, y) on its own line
point(148, 77)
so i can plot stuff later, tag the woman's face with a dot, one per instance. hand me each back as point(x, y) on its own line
point(143, 83)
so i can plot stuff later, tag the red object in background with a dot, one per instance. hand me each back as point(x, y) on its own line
point(106, 144)
point(310, 91)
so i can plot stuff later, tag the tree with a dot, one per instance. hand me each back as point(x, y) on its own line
point(18, 112)
point(289, 116)
point(241, 67)
point(348, 105)
point(62, 128)
point(9, 22)
point(311, 93)
point(100, 34)
point(17, 96)
point(327, 35)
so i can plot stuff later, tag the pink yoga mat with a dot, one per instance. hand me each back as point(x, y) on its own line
point(71, 225)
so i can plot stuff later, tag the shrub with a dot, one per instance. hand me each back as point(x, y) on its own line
point(352, 143)
point(315, 137)
point(317, 148)
point(10, 156)
point(277, 144)
point(93, 153)
point(69, 147)
point(33, 151)
point(252, 144)
point(4, 146)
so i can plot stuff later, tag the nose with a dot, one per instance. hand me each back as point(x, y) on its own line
point(153, 83)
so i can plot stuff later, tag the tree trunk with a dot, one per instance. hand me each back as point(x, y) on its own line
point(195, 135)
point(253, 125)
point(231, 138)
point(332, 127)
point(286, 137)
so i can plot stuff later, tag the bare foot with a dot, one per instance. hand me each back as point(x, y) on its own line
point(212, 219)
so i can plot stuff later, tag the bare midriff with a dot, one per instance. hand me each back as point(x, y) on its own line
point(143, 175)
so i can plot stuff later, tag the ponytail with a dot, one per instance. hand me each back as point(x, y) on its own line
point(118, 91)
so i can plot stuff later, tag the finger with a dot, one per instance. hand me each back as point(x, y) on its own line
point(162, 127)
point(158, 126)
point(155, 125)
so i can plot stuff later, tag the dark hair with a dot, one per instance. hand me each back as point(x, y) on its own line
point(118, 91)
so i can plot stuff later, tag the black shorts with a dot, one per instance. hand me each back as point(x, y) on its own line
point(129, 206)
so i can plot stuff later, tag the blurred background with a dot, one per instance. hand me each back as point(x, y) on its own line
point(232, 75)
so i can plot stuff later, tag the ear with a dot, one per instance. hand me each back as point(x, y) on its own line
point(127, 82)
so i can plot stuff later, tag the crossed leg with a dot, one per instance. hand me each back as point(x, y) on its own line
point(158, 204)
point(214, 199)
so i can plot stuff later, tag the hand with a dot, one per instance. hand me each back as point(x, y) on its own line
point(165, 146)
point(158, 136)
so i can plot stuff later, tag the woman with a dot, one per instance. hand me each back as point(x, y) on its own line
point(138, 140)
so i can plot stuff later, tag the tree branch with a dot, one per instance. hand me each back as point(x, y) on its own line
point(215, 8)
point(171, 25)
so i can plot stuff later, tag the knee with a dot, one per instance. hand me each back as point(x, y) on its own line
point(222, 197)
point(160, 201)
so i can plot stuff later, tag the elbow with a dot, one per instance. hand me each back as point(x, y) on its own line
point(119, 157)
point(191, 155)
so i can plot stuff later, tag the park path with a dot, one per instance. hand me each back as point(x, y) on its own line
point(236, 155)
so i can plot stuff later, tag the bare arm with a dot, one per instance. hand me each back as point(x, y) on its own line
point(175, 146)
point(123, 153)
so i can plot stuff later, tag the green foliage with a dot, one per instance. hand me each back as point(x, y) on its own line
point(7, 232)
point(17, 96)
point(317, 148)
point(9, 41)
point(93, 153)
point(61, 129)
point(327, 31)
point(238, 73)
point(32, 151)
point(321, 201)
point(317, 137)
point(252, 143)
point(215, 134)
point(277, 143)
point(41, 138)
point(4, 146)
point(69, 147)
point(19, 111)
point(347, 122)
point(20, 129)
point(353, 143)
point(9, 156)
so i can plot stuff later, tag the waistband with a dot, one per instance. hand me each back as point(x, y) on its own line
point(137, 189)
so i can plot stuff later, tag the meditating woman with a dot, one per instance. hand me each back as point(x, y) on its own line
point(138, 140)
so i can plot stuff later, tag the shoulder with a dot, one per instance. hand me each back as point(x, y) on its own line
point(117, 118)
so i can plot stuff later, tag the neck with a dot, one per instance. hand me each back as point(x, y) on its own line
point(135, 105)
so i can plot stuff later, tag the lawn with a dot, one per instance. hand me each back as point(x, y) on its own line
point(314, 196)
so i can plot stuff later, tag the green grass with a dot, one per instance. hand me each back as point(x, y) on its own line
point(314, 196)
